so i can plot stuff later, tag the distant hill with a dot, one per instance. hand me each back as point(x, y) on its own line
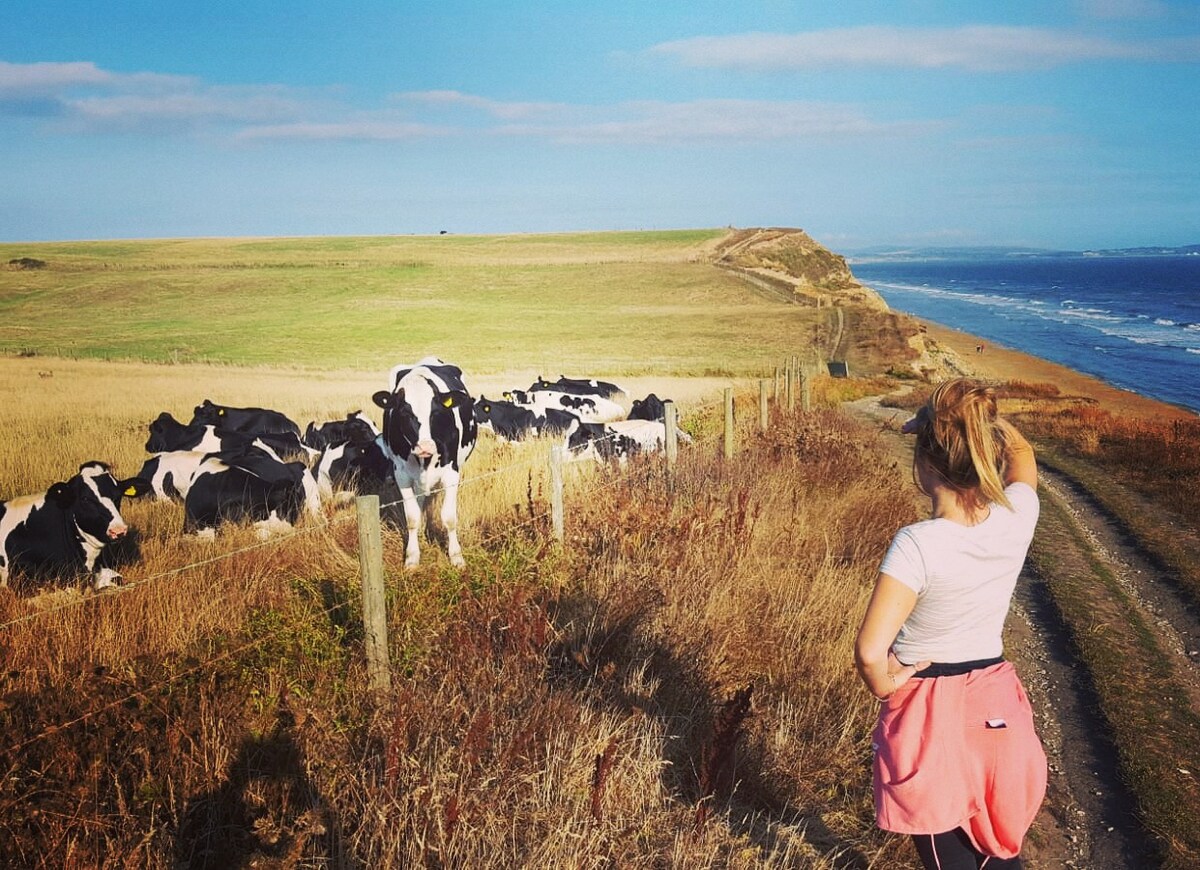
point(895, 254)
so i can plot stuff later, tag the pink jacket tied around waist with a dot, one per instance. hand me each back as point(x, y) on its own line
point(960, 751)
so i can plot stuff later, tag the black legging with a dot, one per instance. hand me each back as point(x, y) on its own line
point(952, 850)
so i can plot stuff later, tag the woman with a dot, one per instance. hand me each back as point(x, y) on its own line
point(957, 762)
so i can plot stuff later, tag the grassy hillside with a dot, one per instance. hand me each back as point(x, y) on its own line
point(613, 303)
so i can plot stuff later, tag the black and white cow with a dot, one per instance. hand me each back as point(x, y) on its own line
point(590, 409)
point(257, 421)
point(170, 473)
point(254, 487)
point(429, 431)
point(578, 387)
point(67, 528)
point(513, 422)
point(649, 408)
point(618, 440)
point(352, 468)
point(356, 427)
point(167, 434)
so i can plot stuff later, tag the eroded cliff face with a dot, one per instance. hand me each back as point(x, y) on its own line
point(791, 256)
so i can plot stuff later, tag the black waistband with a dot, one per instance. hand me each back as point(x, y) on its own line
point(953, 669)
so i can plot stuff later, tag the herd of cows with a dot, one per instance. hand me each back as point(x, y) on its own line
point(254, 465)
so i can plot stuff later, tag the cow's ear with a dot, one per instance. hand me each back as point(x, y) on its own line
point(220, 412)
point(61, 494)
point(383, 399)
point(453, 399)
point(135, 487)
point(506, 397)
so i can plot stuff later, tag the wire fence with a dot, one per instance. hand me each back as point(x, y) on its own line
point(596, 487)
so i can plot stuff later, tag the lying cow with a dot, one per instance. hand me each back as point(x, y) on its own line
point(352, 468)
point(578, 387)
point(67, 528)
point(254, 487)
point(649, 408)
point(256, 421)
point(429, 431)
point(356, 427)
point(167, 434)
point(618, 440)
point(170, 473)
point(512, 422)
point(590, 409)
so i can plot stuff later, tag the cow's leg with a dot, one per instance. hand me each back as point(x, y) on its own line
point(450, 521)
point(412, 519)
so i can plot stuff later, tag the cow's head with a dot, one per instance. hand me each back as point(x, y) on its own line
point(483, 410)
point(93, 496)
point(417, 417)
point(207, 412)
point(160, 430)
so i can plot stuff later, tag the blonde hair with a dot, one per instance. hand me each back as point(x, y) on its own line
point(957, 435)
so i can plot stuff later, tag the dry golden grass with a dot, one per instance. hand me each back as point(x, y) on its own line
point(223, 714)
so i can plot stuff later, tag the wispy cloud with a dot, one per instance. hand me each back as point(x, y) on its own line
point(975, 48)
point(495, 108)
point(82, 98)
point(365, 131)
point(663, 123)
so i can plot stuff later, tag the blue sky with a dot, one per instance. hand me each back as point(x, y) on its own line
point(1057, 124)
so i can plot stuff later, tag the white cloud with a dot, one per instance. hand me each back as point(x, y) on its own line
point(495, 108)
point(977, 48)
point(661, 123)
point(375, 131)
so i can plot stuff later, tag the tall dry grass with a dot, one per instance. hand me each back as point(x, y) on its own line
point(672, 687)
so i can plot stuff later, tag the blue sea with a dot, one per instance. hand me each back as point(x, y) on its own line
point(1131, 321)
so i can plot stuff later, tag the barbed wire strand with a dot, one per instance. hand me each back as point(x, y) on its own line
point(529, 463)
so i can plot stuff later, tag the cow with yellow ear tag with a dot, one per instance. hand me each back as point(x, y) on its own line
point(429, 431)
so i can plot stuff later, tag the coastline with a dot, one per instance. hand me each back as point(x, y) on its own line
point(1005, 363)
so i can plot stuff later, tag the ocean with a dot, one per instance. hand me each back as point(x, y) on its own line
point(1131, 321)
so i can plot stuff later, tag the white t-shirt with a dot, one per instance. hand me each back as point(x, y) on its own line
point(964, 578)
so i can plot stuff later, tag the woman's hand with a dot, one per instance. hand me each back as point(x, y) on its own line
point(900, 673)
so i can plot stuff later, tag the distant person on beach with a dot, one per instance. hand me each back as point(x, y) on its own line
point(958, 764)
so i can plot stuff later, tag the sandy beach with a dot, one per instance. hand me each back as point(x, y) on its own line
point(1003, 363)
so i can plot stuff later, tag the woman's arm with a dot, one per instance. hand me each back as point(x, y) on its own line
point(1020, 465)
point(890, 605)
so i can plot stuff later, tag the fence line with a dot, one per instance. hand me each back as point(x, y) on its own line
point(554, 512)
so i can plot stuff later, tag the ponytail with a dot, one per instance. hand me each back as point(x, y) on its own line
point(958, 436)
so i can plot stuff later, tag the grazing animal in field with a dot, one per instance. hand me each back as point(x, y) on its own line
point(249, 486)
point(507, 420)
point(67, 528)
point(578, 387)
point(618, 440)
point(649, 408)
point(167, 434)
point(429, 431)
point(257, 421)
point(356, 427)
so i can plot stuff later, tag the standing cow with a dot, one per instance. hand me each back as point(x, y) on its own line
point(66, 528)
point(429, 431)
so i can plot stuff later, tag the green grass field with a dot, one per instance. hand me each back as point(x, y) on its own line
point(607, 303)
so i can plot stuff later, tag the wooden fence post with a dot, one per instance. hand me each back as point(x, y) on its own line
point(775, 398)
point(805, 391)
point(762, 405)
point(556, 491)
point(671, 421)
point(370, 559)
point(729, 422)
point(790, 390)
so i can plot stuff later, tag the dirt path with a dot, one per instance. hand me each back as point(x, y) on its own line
point(1087, 821)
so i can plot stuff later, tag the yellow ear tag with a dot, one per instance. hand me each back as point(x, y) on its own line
point(221, 413)
point(448, 402)
point(131, 490)
point(487, 409)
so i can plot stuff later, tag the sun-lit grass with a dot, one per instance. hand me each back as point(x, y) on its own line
point(613, 303)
